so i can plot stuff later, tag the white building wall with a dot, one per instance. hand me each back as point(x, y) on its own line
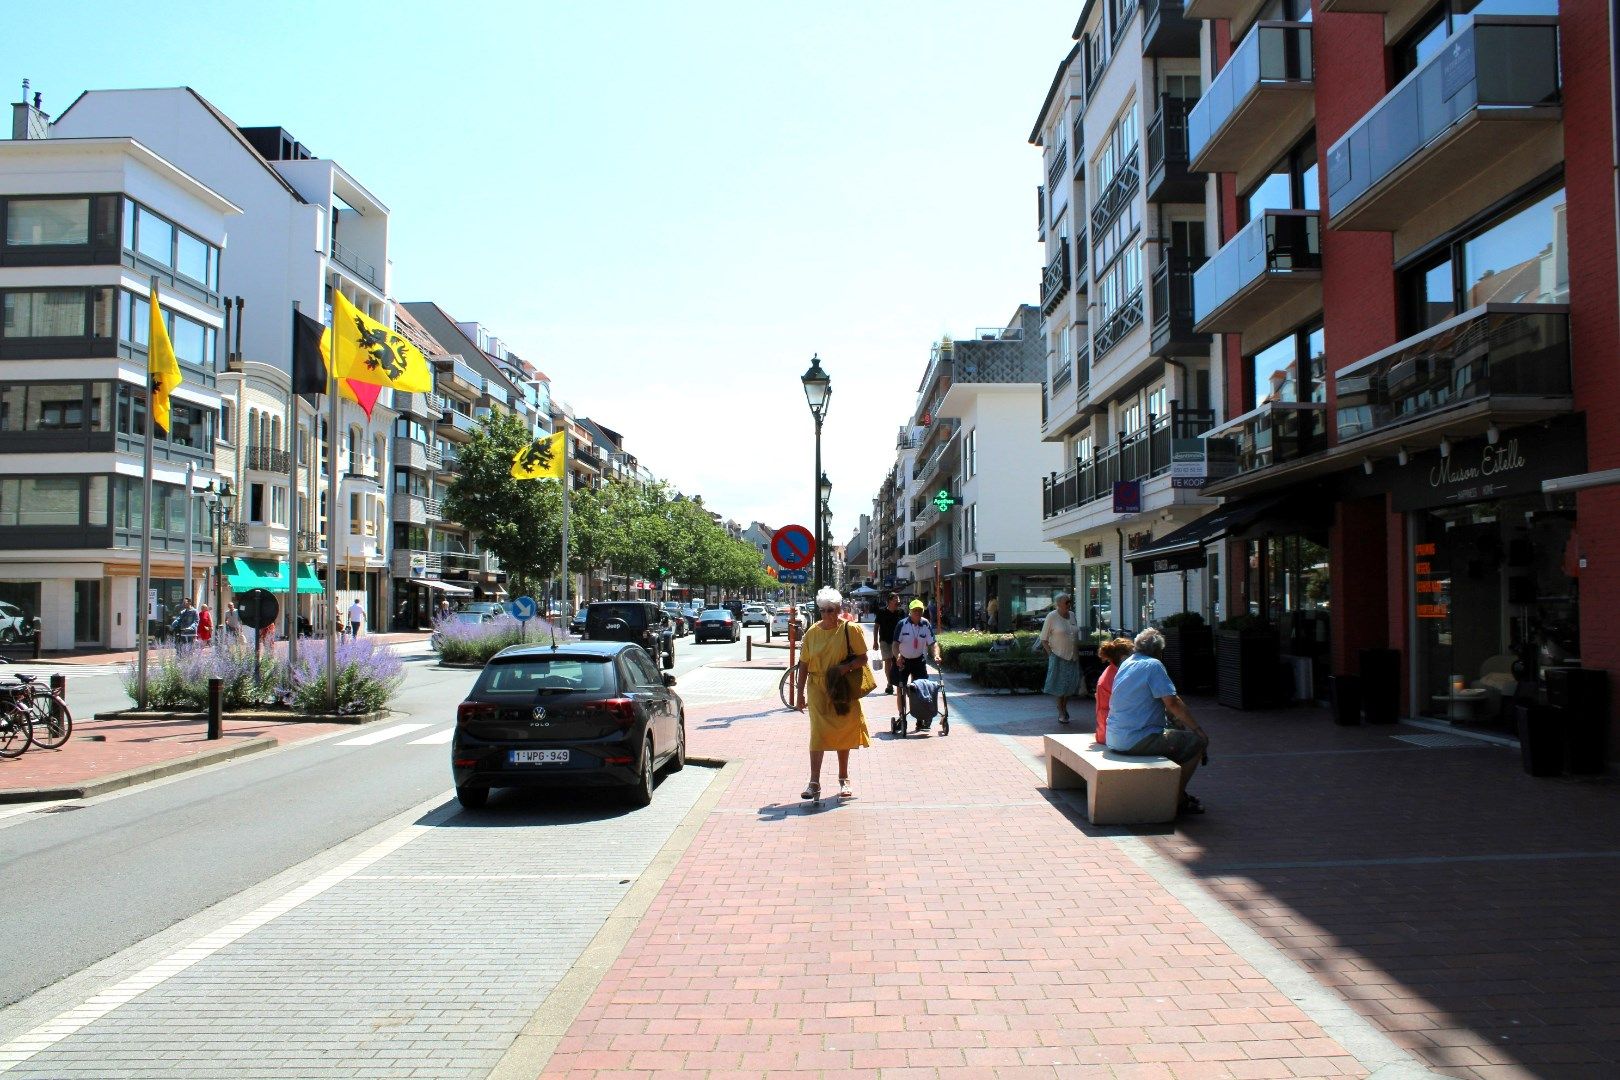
point(1011, 461)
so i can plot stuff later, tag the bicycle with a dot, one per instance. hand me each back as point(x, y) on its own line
point(53, 722)
point(16, 723)
point(786, 687)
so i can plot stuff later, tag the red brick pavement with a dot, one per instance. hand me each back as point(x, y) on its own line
point(950, 921)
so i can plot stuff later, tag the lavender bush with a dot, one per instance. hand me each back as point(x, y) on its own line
point(462, 642)
point(368, 675)
point(178, 679)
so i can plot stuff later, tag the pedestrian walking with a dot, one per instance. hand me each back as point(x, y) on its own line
point(444, 608)
point(1059, 639)
point(831, 657)
point(357, 618)
point(185, 625)
point(233, 624)
point(1143, 695)
point(914, 644)
point(1112, 653)
point(205, 625)
point(888, 620)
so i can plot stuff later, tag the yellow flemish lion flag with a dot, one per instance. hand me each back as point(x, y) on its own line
point(540, 460)
point(367, 351)
point(161, 365)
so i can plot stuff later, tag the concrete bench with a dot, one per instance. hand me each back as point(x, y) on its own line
point(1120, 790)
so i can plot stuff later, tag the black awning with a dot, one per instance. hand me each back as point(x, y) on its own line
point(1183, 549)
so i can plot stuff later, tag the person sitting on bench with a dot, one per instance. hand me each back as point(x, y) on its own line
point(1142, 695)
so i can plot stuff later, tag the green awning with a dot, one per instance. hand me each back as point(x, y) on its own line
point(269, 574)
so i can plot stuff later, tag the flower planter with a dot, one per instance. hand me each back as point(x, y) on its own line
point(1246, 670)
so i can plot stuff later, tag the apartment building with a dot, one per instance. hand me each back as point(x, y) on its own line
point(1413, 346)
point(86, 226)
point(1130, 385)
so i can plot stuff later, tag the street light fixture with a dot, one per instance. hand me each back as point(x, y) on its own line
point(220, 501)
point(818, 393)
point(822, 563)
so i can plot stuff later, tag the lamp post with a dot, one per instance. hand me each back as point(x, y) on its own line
point(823, 526)
point(220, 500)
point(817, 392)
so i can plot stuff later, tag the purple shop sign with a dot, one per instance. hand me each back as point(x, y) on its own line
point(1127, 496)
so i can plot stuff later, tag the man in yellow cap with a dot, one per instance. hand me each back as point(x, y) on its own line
point(914, 645)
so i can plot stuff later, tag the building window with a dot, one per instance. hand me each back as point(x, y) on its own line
point(1117, 151)
point(58, 314)
point(52, 222)
point(1518, 257)
point(1291, 369)
point(1290, 185)
point(227, 414)
point(278, 506)
point(194, 343)
point(256, 504)
point(970, 453)
point(1449, 16)
point(158, 240)
point(1121, 283)
point(1098, 585)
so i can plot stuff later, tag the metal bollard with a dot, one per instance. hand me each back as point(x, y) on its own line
point(748, 648)
point(39, 637)
point(58, 686)
point(216, 700)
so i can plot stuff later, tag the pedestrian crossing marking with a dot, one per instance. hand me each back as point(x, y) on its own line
point(372, 738)
point(438, 738)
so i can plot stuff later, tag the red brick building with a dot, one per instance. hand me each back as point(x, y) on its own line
point(1414, 292)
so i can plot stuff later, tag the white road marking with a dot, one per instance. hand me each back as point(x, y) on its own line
point(438, 738)
point(372, 738)
point(25, 1046)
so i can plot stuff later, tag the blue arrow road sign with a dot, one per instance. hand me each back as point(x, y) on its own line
point(524, 608)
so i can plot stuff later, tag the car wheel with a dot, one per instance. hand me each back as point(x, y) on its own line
point(642, 793)
point(472, 798)
point(678, 762)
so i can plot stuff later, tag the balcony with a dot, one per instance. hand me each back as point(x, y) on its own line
point(1040, 213)
point(309, 541)
point(1082, 372)
point(1238, 11)
point(435, 459)
point(1499, 363)
point(937, 553)
point(236, 534)
point(1259, 105)
point(1172, 293)
point(1055, 281)
point(1061, 377)
point(1077, 139)
point(422, 406)
point(435, 509)
point(1267, 276)
point(267, 459)
point(1057, 169)
point(1127, 178)
point(348, 258)
point(1449, 131)
point(1138, 456)
point(1166, 31)
point(409, 509)
point(1121, 321)
point(451, 371)
point(1169, 180)
point(410, 454)
point(414, 562)
point(1399, 15)
point(1274, 434)
point(455, 423)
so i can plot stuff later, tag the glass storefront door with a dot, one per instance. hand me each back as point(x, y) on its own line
point(1494, 584)
point(87, 612)
point(1097, 584)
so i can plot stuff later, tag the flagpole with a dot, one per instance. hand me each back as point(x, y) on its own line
point(332, 613)
point(292, 506)
point(145, 590)
point(565, 486)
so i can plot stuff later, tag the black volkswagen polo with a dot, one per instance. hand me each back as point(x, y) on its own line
point(583, 713)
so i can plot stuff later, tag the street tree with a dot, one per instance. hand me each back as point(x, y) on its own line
point(518, 521)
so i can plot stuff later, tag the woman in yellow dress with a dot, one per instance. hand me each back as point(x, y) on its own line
point(831, 644)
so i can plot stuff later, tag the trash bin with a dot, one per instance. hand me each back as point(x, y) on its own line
point(1541, 738)
point(1345, 691)
point(1381, 685)
point(1583, 694)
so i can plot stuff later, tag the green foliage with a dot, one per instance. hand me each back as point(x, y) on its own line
point(1184, 620)
point(478, 648)
point(519, 521)
point(1022, 672)
point(953, 644)
point(179, 679)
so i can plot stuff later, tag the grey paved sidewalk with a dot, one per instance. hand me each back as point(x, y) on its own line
point(426, 962)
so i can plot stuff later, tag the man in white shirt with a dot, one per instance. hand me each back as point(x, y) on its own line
point(357, 618)
point(914, 645)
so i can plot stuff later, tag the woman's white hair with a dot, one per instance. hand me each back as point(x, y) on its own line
point(829, 597)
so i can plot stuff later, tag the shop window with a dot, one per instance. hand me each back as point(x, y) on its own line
point(1520, 256)
point(1098, 588)
point(1144, 600)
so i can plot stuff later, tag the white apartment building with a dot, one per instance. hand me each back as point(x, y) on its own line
point(1129, 386)
point(86, 225)
point(307, 230)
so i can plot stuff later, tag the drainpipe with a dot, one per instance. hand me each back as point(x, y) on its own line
point(1119, 607)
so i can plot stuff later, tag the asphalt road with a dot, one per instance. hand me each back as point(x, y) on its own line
point(113, 871)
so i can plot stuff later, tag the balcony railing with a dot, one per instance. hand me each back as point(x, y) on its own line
point(458, 421)
point(1055, 281)
point(236, 534)
point(1138, 456)
point(1281, 248)
point(1082, 370)
point(1263, 96)
point(1080, 260)
point(1114, 198)
point(458, 371)
point(938, 552)
point(1061, 377)
point(1121, 321)
point(308, 540)
point(1058, 169)
point(435, 509)
point(268, 459)
point(1514, 355)
point(1077, 139)
point(348, 257)
point(1173, 309)
point(1040, 213)
point(1274, 434)
point(1169, 179)
point(435, 459)
point(1166, 31)
point(1489, 90)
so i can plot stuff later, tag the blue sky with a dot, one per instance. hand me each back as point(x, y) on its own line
point(669, 206)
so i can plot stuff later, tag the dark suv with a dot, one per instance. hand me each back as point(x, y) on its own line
point(640, 621)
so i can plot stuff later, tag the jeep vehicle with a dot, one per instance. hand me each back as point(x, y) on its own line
point(639, 621)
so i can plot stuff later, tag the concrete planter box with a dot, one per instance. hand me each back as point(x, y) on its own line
point(255, 716)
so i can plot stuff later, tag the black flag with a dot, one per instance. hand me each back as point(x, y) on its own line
point(309, 360)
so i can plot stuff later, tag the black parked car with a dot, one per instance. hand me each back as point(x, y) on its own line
point(640, 621)
point(584, 714)
point(716, 624)
point(677, 618)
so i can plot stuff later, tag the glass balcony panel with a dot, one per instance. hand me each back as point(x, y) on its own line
point(1273, 55)
point(1277, 244)
point(1490, 70)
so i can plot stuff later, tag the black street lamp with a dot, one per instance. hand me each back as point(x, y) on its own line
point(825, 526)
point(817, 392)
point(220, 500)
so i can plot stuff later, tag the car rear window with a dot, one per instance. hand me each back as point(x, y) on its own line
point(715, 615)
point(523, 678)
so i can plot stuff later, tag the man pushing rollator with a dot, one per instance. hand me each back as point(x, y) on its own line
point(914, 692)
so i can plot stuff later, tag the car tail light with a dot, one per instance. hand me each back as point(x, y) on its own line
point(621, 709)
point(470, 712)
point(616, 760)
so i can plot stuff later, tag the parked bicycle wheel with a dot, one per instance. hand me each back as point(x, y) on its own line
point(15, 733)
point(52, 722)
point(785, 688)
